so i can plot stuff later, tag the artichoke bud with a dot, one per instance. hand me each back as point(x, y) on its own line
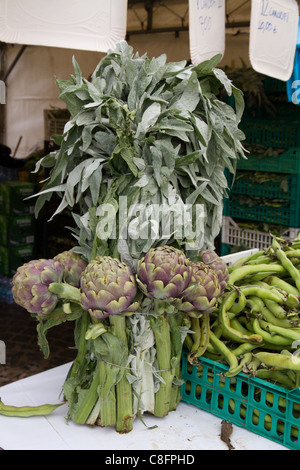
point(163, 273)
point(211, 258)
point(108, 287)
point(73, 265)
point(202, 293)
point(30, 285)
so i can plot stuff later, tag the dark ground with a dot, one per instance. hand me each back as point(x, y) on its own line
point(23, 355)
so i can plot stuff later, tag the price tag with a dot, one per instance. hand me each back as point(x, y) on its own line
point(94, 25)
point(273, 37)
point(206, 29)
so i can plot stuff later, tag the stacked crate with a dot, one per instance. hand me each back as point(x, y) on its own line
point(17, 225)
point(282, 136)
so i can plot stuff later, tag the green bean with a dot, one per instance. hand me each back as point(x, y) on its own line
point(188, 342)
point(238, 306)
point(234, 334)
point(260, 260)
point(195, 326)
point(253, 365)
point(275, 376)
point(244, 348)
point(204, 337)
point(276, 309)
point(27, 411)
point(223, 350)
point(243, 271)
point(236, 370)
point(276, 339)
point(282, 284)
point(293, 253)
point(269, 317)
point(245, 259)
point(279, 360)
point(286, 332)
point(236, 324)
point(286, 263)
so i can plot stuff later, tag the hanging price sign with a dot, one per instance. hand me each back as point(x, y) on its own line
point(206, 29)
point(273, 37)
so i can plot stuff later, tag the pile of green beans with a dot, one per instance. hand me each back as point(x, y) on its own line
point(255, 328)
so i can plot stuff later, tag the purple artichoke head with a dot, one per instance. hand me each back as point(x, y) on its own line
point(211, 258)
point(203, 291)
point(30, 285)
point(73, 265)
point(108, 287)
point(163, 273)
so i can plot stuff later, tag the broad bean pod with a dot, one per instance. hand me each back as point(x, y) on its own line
point(279, 360)
point(289, 333)
point(220, 346)
point(27, 411)
point(268, 337)
point(204, 337)
point(286, 263)
point(243, 271)
point(243, 362)
point(282, 284)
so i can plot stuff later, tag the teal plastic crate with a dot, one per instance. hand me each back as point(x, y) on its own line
point(276, 133)
point(288, 162)
point(287, 214)
point(273, 85)
point(269, 189)
point(248, 402)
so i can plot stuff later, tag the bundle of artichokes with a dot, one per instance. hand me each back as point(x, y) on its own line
point(110, 382)
point(151, 133)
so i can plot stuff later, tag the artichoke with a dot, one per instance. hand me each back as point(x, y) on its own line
point(163, 273)
point(211, 258)
point(108, 287)
point(73, 265)
point(30, 285)
point(201, 295)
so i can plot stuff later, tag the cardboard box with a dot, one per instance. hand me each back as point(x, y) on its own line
point(13, 196)
point(17, 230)
point(14, 256)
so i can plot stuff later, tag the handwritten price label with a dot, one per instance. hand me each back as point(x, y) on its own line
point(207, 29)
point(273, 35)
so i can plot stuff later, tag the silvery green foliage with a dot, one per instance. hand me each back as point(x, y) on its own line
point(148, 130)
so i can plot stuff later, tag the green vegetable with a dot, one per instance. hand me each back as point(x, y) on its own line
point(27, 411)
point(142, 133)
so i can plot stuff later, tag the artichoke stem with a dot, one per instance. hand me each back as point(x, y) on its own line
point(81, 415)
point(108, 410)
point(65, 291)
point(80, 360)
point(161, 329)
point(124, 422)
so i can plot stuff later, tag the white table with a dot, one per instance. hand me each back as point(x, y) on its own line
point(186, 429)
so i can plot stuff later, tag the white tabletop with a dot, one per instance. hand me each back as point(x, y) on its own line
point(187, 429)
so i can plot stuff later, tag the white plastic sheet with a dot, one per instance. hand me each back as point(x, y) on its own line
point(273, 36)
point(188, 428)
point(206, 29)
point(93, 25)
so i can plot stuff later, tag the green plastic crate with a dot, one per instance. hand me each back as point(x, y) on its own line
point(272, 85)
point(268, 189)
point(288, 162)
point(276, 133)
point(287, 214)
point(243, 401)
